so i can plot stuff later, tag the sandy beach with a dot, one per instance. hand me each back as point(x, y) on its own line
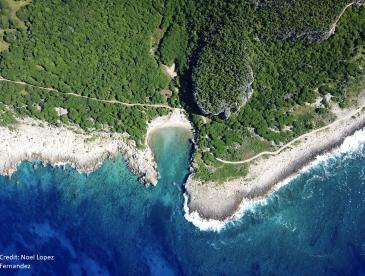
point(207, 205)
point(174, 119)
point(32, 139)
point(211, 205)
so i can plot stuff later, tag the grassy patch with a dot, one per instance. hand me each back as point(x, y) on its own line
point(15, 6)
point(250, 146)
point(156, 38)
point(3, 44)
point(9, 21)
point(7, 118)
point(296, 143)
point(91, 139)
point(213, 170)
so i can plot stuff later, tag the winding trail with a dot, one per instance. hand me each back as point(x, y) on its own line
point(91, 98)
point(331, 32)
point(334, 24)
point(2, 79)
point(293, 141)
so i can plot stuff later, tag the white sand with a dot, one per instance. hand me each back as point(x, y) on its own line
point(32, 139)
point(175, 119)
point(212, 205)
point(170, 70)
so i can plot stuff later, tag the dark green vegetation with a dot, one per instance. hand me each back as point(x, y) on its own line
point(306, 19)
point(88, 114)
point(293, 66)
point(95, 48)
point(8, 19)
point(114, 50)
point(9, 22)
point(222, 61)
point(7, 117)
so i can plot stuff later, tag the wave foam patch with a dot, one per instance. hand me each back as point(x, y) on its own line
point(350, 145)
point(202, 223)
point(218, 225)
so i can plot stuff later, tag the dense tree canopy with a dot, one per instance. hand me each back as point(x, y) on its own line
point(224, 51)
point(95, 48)
point(286, 44)
point(294, 19)
point(222, 77)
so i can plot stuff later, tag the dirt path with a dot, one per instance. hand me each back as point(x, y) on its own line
point(91, 98)
point(334, 25)
point(349, 115)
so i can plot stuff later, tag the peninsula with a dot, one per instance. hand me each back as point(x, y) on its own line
point(264, 86)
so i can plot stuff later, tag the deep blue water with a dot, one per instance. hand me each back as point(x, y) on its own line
point(108, 223)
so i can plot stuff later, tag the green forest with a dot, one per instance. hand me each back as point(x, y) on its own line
point(94, 48)
point(249, 71)
point(223, 60)
point(88, 114)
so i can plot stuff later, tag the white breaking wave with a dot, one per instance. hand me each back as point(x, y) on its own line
point(217, 225)
point(349, 146)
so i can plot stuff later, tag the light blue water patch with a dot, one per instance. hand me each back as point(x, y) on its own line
point(108, 223)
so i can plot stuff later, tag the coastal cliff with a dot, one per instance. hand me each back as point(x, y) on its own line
point(32, 140)
point(211, 205)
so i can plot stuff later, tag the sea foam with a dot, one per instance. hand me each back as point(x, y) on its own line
point(350, 146)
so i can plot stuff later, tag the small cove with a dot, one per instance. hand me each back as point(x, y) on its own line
point(107, 223)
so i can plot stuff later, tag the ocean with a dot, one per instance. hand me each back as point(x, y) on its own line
point(107, 223)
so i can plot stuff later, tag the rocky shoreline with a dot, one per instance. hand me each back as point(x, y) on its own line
point(207, 205)
point(212, 205)
point(32, 140)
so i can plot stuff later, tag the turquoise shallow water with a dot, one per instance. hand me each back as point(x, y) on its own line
point(107, 223)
